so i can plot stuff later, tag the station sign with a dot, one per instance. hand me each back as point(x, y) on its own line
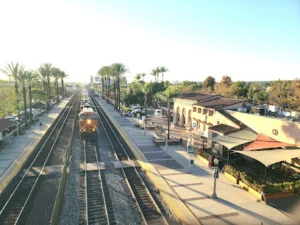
point(190, 149)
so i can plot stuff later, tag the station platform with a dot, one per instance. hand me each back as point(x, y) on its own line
point(192, 187)
point(13, 156)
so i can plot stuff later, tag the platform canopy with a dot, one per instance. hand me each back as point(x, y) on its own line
point(269, 157)
point(236, 138)
point(244, 134)
point(265, 142)
point(230, 142)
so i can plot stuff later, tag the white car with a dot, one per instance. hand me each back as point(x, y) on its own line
point(136, 109)
point(157, 112)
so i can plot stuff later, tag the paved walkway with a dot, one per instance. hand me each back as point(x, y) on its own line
point(14, 155)
point(233, 205)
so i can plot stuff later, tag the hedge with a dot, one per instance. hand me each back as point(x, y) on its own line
point(266, 188)
point(232, 171)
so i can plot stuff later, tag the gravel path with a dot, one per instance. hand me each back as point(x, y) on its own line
point(70, 210)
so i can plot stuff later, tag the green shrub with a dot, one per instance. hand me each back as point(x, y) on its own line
point(205, 155)
point(232, 171)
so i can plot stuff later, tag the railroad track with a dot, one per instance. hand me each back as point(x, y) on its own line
point(149, 210)
point(96, 207)
point(18, 198)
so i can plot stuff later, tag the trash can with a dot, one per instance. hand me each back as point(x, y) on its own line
point(210, 159)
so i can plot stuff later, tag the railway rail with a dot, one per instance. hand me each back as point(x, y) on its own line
point(149, 210)
point(97, 204)
point(18, 198)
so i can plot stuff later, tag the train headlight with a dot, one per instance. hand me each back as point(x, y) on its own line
point(88, 121)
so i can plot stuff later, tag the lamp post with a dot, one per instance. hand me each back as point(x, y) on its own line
point(166, 146)
point(216, 161)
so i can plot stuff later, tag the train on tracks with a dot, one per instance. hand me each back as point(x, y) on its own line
point(88, 119)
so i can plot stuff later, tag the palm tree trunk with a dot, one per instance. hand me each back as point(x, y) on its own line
point(30, 104)
point(63, 87)
point(48, 102)
point(145, 108)
point(25, 106)
point(119, 94)
point(108, 87)
point(56, 89)
point(169, 119)
point(102, 86)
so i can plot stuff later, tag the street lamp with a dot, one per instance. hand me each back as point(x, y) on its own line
point(216, 161)
point(166, 146)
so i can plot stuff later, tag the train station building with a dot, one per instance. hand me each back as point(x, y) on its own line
point(224, 124)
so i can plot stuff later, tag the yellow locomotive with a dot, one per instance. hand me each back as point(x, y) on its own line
point(88, 123)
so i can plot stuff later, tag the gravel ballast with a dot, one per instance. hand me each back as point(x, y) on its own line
point(124, 206)
point(70, 210)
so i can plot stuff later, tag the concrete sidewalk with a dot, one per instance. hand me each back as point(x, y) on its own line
point(195, 187)
point(13, 156)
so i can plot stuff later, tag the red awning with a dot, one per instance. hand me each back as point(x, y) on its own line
point(265, 142)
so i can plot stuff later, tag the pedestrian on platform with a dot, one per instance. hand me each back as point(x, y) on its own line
point(41, 123)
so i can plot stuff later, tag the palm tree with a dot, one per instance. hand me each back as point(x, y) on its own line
point(168, 95)
point(146, 89)
point(105, 72)
point(157, 73)
point(31, 76)
point(163, 70)
point(118, 69)
point(23, 80)
point(55, 72)
point(62, 76)
point(154, 73)
point(45, 71)
point(12, 71)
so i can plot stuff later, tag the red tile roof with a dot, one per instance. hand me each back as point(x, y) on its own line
point(219, 103)
point(198, 96)
point(223, 128)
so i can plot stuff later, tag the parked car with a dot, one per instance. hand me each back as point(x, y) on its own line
point(157, 112)
point(136, 109)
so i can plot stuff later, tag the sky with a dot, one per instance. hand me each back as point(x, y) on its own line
point(250, 40)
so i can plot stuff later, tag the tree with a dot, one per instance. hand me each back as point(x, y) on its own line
point(45, 72)
point(209, 83)
point(240, 89)
point(62, 76)
point(280, 94)
point(146, 89)
point(157, 72)
point(260, 96)
point(12, 71)
point(296, 94)
point(8, 98)
point(55, 72)
point(118, 69)
point(224, 87)
point(31, 76)
point(23, 80)
point(106, 73)
point(225, 81)
point(168, 95)
point(154, 73)
point(163, 70)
